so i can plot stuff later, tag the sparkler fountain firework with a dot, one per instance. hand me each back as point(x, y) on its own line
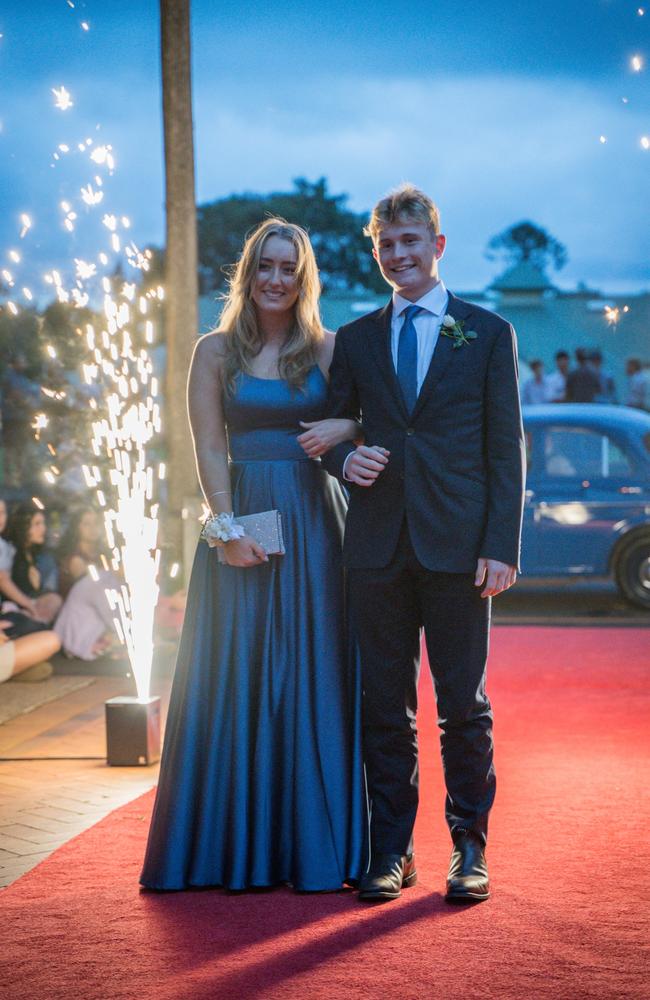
point(122, 392)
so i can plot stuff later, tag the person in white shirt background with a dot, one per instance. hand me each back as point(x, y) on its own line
point(638, 393)
point(556, 381)
point(535, 389)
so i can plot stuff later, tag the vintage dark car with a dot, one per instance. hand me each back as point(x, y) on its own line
point(587, 509)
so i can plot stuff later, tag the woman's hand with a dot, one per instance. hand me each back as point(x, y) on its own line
point(29, 607)
point(244, 552)
point(321, 435)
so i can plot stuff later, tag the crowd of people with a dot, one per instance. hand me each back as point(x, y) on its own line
point(50, 598)
point(586, 382)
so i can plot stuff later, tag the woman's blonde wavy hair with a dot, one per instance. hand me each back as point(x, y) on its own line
point(238, 323)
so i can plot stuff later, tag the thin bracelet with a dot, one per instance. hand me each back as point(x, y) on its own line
point(218, 493)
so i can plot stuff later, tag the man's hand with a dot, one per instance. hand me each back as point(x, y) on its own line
point(365, 463)
point(498, 576)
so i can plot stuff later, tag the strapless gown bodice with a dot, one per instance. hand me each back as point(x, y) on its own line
point(263, 416)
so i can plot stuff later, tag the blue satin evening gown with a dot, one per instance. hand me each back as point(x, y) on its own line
point(261, 777)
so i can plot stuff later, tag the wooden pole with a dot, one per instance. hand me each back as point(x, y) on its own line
point(181, 284)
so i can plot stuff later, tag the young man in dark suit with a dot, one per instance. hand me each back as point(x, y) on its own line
point(433, 533)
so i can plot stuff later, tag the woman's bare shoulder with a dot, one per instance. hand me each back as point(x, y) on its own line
point(210, 349)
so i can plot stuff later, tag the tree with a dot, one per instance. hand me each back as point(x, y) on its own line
point(342, 251)
point(181, 310)
point(526, 242)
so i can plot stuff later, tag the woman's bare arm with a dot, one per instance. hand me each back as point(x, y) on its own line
point(207, 421)
point(205, 408)
point(13, 593)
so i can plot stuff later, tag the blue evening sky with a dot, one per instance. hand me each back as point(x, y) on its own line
point(495, 109)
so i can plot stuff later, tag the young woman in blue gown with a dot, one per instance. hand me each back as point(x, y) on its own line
point(261, 778)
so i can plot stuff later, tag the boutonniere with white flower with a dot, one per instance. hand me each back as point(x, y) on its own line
point(455, 328)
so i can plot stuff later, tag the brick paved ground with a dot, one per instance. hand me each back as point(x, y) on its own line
point(45, 803)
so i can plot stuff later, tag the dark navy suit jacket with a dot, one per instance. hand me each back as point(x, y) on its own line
point(457, 462)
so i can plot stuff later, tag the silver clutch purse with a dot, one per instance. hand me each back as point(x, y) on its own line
point(265, 528)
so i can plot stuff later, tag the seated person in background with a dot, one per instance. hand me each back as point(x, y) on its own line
point(582, 384)
point(8, 589)
point(556, 381)
point(81, 546)
point(34, 573)
point(25, 658)
point(556, 461)
point(85, 623)
point(535, 389)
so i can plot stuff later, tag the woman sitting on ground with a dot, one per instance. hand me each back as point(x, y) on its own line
point(34, 572)
point(80, 547)
point(23, 656)
point(85, 623)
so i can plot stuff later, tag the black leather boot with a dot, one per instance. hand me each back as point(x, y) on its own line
point(387, 876)
point(467, 881)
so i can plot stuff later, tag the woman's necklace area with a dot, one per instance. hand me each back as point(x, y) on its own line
point(265, 365)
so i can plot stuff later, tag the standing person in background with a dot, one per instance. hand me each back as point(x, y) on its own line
point(607, 392)
point(535, 389)
point(556, 381)
point(582, 384)
point(638, 391)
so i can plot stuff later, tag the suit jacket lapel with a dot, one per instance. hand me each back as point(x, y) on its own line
point(442, 354)
point(380, 344)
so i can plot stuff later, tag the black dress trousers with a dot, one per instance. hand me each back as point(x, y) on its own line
point(389, 606)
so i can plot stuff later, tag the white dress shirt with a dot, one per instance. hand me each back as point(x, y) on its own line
point(556, 387)
point(427, 327)
point(535, 392)
point(637, 391)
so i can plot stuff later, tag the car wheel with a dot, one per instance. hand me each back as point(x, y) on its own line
point(633, 571)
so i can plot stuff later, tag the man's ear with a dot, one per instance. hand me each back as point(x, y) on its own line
point(441, 243)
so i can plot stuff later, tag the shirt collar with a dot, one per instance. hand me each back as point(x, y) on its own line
point(435, 300)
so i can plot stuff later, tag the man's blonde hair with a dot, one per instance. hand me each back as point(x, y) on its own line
point(404, 203)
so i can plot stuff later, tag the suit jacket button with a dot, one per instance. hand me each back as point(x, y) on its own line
point(410, 432)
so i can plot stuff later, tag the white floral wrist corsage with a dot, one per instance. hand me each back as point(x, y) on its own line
point(221, 528)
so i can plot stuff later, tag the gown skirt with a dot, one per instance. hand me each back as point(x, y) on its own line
point(261, 778)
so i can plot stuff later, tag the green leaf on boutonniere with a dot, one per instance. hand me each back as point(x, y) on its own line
point(455, 329)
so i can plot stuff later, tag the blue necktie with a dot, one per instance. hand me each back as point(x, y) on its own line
point(407, 357)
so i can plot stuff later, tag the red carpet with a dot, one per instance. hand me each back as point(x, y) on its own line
point(568, 858)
